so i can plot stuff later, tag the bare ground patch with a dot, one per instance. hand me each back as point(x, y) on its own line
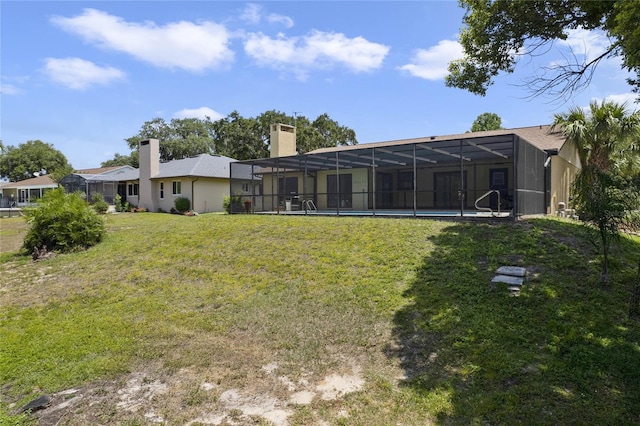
point(196, 397)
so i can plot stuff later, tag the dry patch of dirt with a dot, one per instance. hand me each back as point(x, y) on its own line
point(192, 398)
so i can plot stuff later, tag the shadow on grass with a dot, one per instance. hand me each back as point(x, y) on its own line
point(563, 352)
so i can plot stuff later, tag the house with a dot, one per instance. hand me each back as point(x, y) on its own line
point(512, 172)
point(25, 192)
point(108, 181)
point(203, 179)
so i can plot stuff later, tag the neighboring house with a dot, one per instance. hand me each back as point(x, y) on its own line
point(108, 181)
point(530, 168)
point(204, 180)
point(25, 192)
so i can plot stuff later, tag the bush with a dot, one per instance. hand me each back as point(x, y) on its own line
point(118, 203)
point(232, 203)
point(182, 204)
point(62, 222)
point(99, 204)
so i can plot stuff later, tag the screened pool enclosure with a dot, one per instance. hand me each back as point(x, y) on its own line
point(495, 175)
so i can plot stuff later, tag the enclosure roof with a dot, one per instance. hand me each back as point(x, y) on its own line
point(97, 170)
point(204, 165)
point(466, 147)
point(109, 174)
point(538, 136)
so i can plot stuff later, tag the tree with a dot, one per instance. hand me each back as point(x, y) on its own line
point(606, 192)
point(238, 137)
point(498, 33)
point(181, 138)
point(487, 121)
point(233, 136)
point(122, 160)
point(30, 159)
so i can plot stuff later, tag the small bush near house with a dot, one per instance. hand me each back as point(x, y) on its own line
point(182, 204)
point(120, 206)
point(99, 204)
point(233, 202)
point(62, 222)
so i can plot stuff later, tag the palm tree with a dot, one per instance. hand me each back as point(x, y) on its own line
point(607, 139)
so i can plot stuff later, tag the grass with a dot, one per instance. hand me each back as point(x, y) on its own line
point(215, 298)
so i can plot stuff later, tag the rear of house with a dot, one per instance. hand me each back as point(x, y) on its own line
point(518, 171)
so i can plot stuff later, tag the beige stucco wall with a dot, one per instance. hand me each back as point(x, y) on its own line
point(564, 168)
point(206, 194)
point(359, 185)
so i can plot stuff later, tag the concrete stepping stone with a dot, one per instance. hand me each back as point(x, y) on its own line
point(508, 279)
point(514, 271)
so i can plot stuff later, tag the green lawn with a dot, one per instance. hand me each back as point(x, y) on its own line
point(404, 304)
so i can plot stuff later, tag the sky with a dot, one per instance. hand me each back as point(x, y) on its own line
point(85, 75)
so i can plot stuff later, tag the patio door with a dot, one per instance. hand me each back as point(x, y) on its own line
point(344, 195)
point(499, 180)
point(384, 190)
point(448, 187)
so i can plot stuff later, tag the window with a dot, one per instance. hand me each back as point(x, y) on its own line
point(162, 190)
point(133, 189)
point(405, 180)
point(245, 187)
point(177, 187)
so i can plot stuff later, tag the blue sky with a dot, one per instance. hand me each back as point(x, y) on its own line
point(83, 76)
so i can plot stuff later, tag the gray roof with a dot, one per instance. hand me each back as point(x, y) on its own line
point(204, 165)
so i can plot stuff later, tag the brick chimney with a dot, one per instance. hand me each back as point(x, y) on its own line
point(149, 151)
point(283, 140)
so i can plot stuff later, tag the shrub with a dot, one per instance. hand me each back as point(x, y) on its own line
point(120, 207)
point(182, 204)
point(232, 203)
point(99, 204)
point(62, 222)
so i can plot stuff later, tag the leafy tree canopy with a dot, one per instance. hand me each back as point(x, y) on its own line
point(233, 136)
point(487, 121)
point(497, 33)
point(122, 160)
point(27, 159)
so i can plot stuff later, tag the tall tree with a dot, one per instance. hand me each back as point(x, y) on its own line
point(180, 138)
point(32, 158)
point(234, 136)
point(487, 121)
point(238, 137)
point(498, 33)
point(122, 160)
point(606, 193)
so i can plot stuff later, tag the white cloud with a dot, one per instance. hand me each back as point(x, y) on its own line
point(10, 89)
point(318, 50)
point(79, 74)
point(186, 45)
point(589, 44)
point(252, 14)
point(432, 63)
point(274, 18)
point(201, 113)
point(622, 98)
